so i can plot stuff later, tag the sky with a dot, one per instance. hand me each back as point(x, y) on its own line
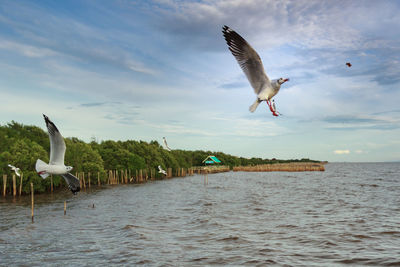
point(142, 70)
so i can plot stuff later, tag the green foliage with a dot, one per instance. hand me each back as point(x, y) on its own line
point(22, 145)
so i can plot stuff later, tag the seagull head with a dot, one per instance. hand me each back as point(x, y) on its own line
point(282, 80)
point(69, 168)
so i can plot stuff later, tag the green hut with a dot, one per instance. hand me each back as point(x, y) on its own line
point(211, 160)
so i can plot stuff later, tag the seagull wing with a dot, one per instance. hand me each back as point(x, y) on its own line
point(11, 166)
point(166, 145)
point(73, 182)
point(248, 59)
point(57, 144)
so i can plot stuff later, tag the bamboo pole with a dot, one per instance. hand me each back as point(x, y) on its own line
point(20, 184)
point(32, 201)
point(89, 180)
point(14, 185)
point(4, 184)
point(51, 183)
point(98, 178)
point(83, 179)
point(65, 207)
point(80, 180)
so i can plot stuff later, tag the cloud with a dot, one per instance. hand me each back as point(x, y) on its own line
point(341, 152)
point(26, 50)
point(97, 104)
point(73, 39)
point(350, 119)
point(273, 23)
point(233, 85)
point(351, 123)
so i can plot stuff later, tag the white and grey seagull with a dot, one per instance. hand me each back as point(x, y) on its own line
point(252, 66)
point(15, 169)
point(166, 145)
point(160, 170)
point(56, 164)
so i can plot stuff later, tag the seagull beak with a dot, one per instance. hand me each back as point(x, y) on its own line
point(285, 80)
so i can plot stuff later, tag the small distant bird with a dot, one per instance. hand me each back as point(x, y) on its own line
point(15, 169)
point(166, 145)
point(348, 64)
point(160, 170)
point(56, 164)
point(252, 66)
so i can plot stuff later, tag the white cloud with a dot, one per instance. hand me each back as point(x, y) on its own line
point(26, 50)
point(341, 152)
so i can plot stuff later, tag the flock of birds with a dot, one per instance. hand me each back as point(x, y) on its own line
point(249, 61)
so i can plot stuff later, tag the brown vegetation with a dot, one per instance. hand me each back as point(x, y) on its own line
point(282, 167)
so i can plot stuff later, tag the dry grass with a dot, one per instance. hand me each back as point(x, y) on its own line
point(282, 167)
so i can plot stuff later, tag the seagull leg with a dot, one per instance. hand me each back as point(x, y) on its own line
point(270, 106)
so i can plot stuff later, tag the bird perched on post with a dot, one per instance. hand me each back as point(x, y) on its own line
point(252, 66)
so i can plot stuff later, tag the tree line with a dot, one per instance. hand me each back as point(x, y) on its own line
point(21, 145)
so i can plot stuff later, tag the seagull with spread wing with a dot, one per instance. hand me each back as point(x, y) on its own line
point(252, 66)
point(15, 169)
point(56, 164)
point(160, 170)
point(166, 145)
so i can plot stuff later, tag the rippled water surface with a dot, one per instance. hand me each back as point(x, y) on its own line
point(347, 215)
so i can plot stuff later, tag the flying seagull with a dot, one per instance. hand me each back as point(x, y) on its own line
point(252, 66)
point(166, 145)
point(160, 170)
point(15, 169)
point(56, 164)
point(348, 64)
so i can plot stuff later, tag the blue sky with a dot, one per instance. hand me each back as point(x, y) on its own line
point(143, 70)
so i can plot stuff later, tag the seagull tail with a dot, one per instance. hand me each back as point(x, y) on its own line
point(41, 168)
point(253, 107)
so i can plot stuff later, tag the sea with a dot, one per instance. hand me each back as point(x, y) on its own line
point(348, 215)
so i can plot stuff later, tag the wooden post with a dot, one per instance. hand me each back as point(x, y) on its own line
point(98, 178)
point(136, 177)
point(32, 201)
point(14, 186)
point(4, 184)
point(51, 183)
point(65, 207)
point(20, 184)
point(84, 182)
point(89, 179)
point(80, 180)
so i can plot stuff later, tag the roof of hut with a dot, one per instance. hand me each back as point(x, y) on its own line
point(211, 160)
